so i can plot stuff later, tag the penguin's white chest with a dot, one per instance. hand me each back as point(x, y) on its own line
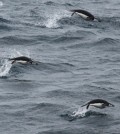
point(98, 105)
point(82, 15)
point(21, 61)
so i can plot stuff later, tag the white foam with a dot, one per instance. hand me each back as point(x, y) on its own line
point(52, 20)
point(1, 3)
point(5, 68)
point(81, 112)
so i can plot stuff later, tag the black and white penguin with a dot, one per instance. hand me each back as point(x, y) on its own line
point(85, 15)
point(21, 59)
point(98, 103)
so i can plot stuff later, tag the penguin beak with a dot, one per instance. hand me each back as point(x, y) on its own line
point(111, 105)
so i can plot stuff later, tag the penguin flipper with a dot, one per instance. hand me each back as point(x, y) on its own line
point(72, 13)
point(13, 62)
point(87, 105)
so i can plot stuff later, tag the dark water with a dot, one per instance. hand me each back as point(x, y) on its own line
point(78, 61)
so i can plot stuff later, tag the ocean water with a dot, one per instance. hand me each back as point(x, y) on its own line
point(78, 61)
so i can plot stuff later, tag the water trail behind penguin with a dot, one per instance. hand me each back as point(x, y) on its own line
point(5, 68)
point(81, 112)
point(52, 20)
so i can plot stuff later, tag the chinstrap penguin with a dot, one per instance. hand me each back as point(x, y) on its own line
point(98, 103)
point(21, 59)
point(85, 15)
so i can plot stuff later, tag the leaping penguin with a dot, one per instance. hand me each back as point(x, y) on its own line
point(98, 103)
point(21, 59)
point(85, 15)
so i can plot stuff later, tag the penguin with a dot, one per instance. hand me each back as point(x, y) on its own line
point(98, 103)
point(85, 15)
point(21, 59)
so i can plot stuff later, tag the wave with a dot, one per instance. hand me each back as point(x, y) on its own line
point(53, 67)
point(2, 20)
point(42, 105)
point(5, 27)
point(56, 4)
point(65, 39)
point(75, 37)
point(16, 40)
point(62, 94)
point(49, 3)
point(45, 107)
point(108, 41)
point(67, 4)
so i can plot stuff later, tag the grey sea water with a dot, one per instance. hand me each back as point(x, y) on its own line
point(78, 61)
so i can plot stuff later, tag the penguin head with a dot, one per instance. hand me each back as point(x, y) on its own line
point(111, 105)
point(30, 61)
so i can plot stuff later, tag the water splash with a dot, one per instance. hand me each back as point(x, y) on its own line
point(81, 112)
point(16, 53)
point(5, 68)
point(1, 3)
point(52, 20)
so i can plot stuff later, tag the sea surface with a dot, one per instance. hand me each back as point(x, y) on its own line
point(77, 60)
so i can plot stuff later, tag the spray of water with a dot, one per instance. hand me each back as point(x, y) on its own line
point(16, 53)
point(1, 3)
point(5, 68)
point(52, 20)
point(81, 112)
